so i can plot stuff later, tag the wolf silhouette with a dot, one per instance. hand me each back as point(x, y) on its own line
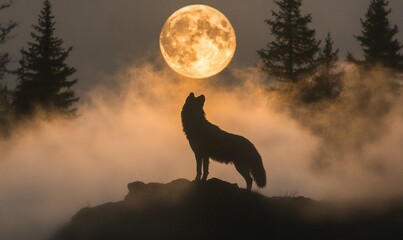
point(209, 141)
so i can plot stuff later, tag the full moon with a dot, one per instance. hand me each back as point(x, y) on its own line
point(197, 41)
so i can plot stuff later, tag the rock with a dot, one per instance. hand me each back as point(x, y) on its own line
point(153, 193)
point(220, 210)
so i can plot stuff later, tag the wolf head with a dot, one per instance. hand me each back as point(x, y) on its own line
point(195, 101)
point(193, 106)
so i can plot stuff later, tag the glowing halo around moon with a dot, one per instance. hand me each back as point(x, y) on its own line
point(197, 41)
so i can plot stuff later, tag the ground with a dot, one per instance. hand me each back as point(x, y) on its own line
point(220, 210)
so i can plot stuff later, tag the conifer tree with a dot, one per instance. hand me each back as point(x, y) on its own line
point(378, 37)
point(329, 79)
point(6, 29)
point(293, 51)
point(327, 56)
point(43, 74)
point(326, 83)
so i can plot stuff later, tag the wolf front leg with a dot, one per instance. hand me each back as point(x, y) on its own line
point(205, 167)
point(198, 167)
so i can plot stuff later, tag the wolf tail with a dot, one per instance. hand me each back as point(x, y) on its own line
point(258, 172)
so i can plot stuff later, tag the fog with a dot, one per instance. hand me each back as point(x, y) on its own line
point(51, 169)
point(330, 151)
point(128, 126)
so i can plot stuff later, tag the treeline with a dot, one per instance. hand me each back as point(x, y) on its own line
point(43, 77)
point(295, 55)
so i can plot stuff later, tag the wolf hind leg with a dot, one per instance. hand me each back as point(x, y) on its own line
point(245, 172)
point(206, 163)
point(198, 167)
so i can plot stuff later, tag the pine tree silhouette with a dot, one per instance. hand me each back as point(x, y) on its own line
point(327, 82)
point(378, 37)
point(43, 74)
point(6, 29)
point(293, 52)
point(327, 56)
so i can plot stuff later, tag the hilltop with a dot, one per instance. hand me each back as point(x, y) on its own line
point(220, 210)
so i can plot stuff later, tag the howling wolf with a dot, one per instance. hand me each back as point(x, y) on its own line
point(209, 141)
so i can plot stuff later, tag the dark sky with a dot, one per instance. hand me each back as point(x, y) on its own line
point(107, 35)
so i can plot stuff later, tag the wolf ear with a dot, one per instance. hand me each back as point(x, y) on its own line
point(190, 97)
point(202, 99)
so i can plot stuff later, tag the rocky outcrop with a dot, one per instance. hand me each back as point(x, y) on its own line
point(219, 210)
